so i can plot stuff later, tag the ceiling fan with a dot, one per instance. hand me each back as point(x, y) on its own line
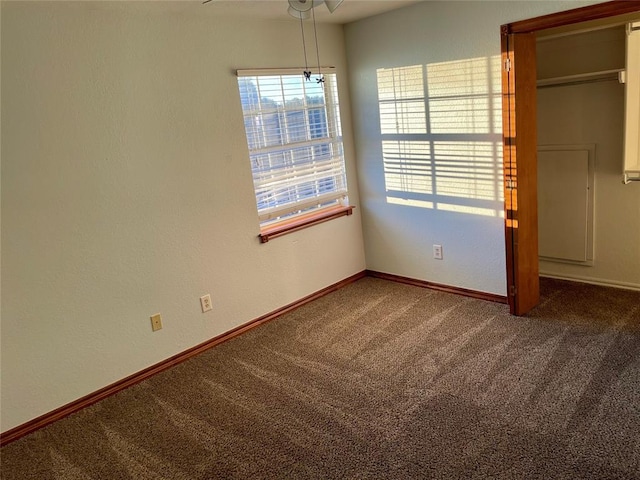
point(302, 8)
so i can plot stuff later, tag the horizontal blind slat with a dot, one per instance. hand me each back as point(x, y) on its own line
point(293, 146)
point(297, 177)
point(268, 214)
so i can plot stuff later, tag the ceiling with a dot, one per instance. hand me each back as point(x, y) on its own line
point(348, 11)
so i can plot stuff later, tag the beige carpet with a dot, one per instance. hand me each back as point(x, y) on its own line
point(378, 380)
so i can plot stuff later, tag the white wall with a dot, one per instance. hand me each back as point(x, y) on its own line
point(127, 191)
point(593, 113)
point(399, 236)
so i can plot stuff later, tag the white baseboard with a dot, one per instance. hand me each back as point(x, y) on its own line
point(594, 281)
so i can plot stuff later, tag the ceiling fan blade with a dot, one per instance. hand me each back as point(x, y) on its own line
point(332, 4)
point(302, 8)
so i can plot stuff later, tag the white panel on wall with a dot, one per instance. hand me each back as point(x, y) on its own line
point(565, 202)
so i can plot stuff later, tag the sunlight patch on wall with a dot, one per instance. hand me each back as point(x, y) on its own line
point(401, 97)
point(467, 169)
point(440, 126)
point(408, 166)
point(464, 96)
point(487, 212)
point(408, 202)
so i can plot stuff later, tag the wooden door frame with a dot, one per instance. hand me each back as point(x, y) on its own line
point(520, 184)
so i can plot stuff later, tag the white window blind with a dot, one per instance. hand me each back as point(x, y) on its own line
point(295, 141)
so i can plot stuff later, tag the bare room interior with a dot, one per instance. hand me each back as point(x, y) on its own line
point(143, 279)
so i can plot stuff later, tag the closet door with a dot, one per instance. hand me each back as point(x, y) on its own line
point(520, 170)
point(632, 105)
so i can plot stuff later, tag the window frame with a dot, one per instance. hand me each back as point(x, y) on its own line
point(283, 218)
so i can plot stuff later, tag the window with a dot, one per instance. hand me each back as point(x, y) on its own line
point(295, 147)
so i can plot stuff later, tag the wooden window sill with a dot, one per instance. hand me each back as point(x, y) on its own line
point(304, 221)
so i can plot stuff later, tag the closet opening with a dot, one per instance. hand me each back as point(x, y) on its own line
point(562, 163)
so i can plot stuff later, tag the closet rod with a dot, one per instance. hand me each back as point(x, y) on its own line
point(580, 78)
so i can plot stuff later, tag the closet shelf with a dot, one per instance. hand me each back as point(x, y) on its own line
point(581, 78)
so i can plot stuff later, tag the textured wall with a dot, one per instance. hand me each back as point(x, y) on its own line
point(437, 181)
point(126, 191)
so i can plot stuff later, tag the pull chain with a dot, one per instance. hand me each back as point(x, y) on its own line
point(307, 72)
point(320, 79)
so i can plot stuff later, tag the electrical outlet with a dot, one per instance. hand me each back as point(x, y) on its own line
point(156, 322)
point(205, 303)
point(437, 252)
